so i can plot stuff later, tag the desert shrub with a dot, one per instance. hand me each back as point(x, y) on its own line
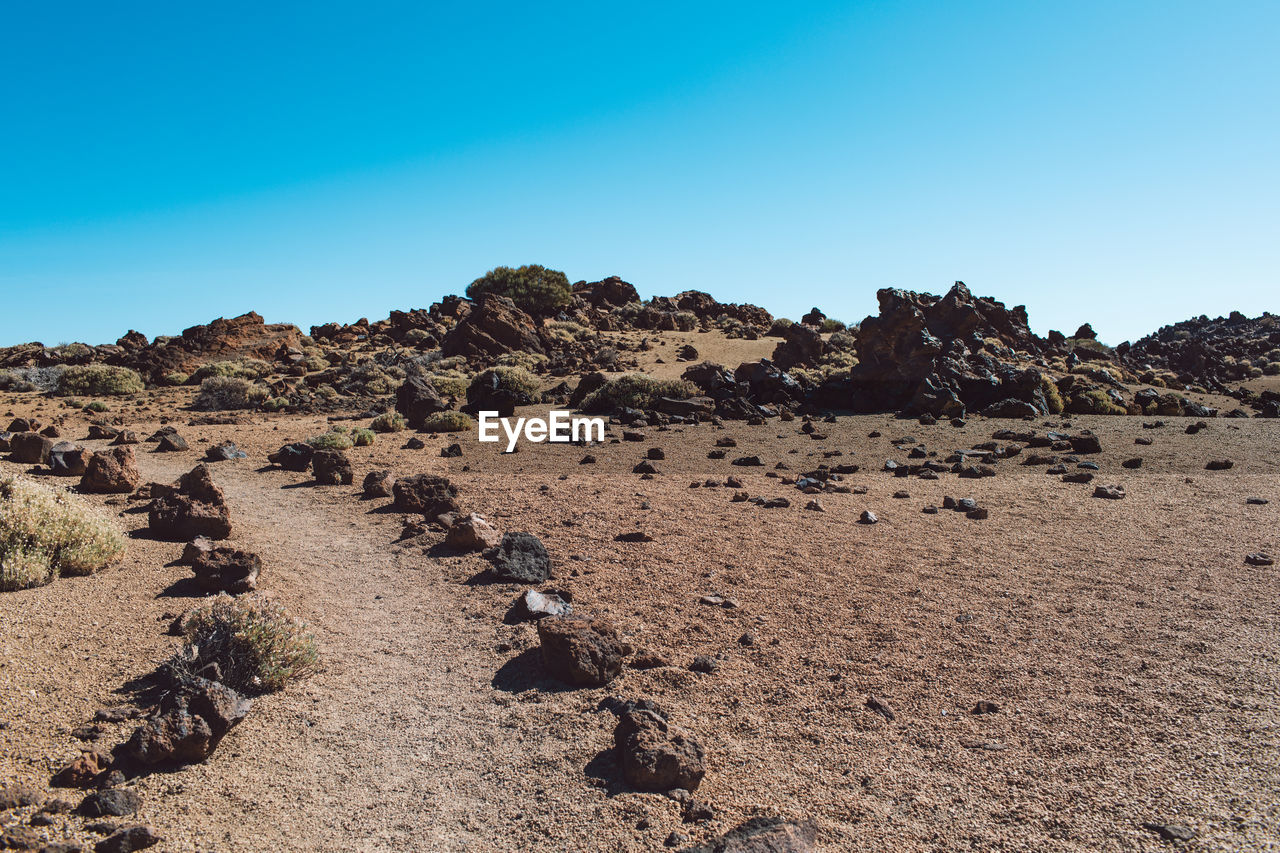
point(831, 324)
point(256, 646)
point(46, 533)
point(244, 368)
point(1272, 369)
point(448, 422)
point(534, 288)
point(1088, 343)
point(362, 437)
point(515, 379)
point(1052, 396)
point(779, 327)
point(635, 391)
point(389, 422)
point(327, 392)
point(96, 406)
point(685, 321)
point(1095, 402)
point(332, 440)
point(275, 404)
point(176, 378)
point(568, 331)
point(98, 380)
point(842, 341)
point(219, 393)
point(449, 384)
point(11, 381)
point(532, 362)
point(315, 363)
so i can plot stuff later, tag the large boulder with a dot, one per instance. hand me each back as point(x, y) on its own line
point(802, 347)
point(111, 471)
point(29, 448)
point(494, 327)
point(582, 652)
point(195, 506)
point(417, 399)
point(428, 494)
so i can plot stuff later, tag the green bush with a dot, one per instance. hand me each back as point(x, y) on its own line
point(362, 437)
point(635, 391)
point(830, 324)
point(1052, 397)
point(334, 440)
point(244, 368)
point(46, 533)
point(1272, 369)
point(98, 380)
point(685, 321)
point(532, 362)
point(220, 393)
point(515, 379)
point(276, 404)
point(389, 422)
point(1095, 402)
point(534, 288)
point(176, 378)
point(97, 406)
point(448, 422)
point(257, 646)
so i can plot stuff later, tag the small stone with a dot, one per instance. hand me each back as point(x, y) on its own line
point(1259, 559)
point(116, 802)
point(880, 707)
point(985, 707)
point(1113, 493)
point(704, 664)
point(520, 557)
point(127, 840)
point(1170, 831)
point(867, 517)
point(1135, 462)
point(1219, 465)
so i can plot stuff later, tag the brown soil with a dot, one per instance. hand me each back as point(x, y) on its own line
point(1132, 653)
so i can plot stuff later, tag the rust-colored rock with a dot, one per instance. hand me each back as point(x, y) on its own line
point(584, 652)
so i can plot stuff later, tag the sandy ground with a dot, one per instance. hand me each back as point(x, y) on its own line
point(1131, 652)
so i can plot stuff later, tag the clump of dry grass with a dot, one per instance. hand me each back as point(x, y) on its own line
point(46, 533)
point(98, 380)
point(219, 393)
point(249, 643)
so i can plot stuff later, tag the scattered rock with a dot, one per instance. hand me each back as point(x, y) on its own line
point(880, 707)
point(764, 835)
point(293, 457)
point(1219, 465)
point(83, 772)
point(537, 605)
point(378, 484)
point(1135, 462)
point(18, 795)
point(1170, 831)
point(114, 802)
point(520, 557)
point(1259, 559)
point(226, 569)
point(195, 506)
point(586, 652)
point(67, 459)
point(171, 443)
point(187, 726)
point(128, 839)
point(226, 452)
point(655, 756)
point(1113, 493)
point(428, 494)
point(111, 472)
point(332, 468)
point(471, 533)
point(867, 517)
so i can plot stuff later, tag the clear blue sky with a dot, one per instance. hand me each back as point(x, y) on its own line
point(162, 164)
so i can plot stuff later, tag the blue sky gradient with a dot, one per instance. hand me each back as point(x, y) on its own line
point(164, 164)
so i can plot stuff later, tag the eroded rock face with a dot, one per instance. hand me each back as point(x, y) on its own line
point(802, 347)
point(494, 326)
point(584, 652)
point(428, 494)
point(611, 292)
point(924, 353)
point(194, 507)
point(654, 755)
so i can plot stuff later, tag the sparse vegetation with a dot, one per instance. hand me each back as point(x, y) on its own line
point(220, 393)
point(362, 437)
point(448, 422)
point(831, 324)
point(635, 391)
point(515, 379)
point(98, 380)
point(533, 288)
point(11, 381)
point(46, 533)
point(255, 644)
point(333, 440)
point(245, 368)
point(389, 422)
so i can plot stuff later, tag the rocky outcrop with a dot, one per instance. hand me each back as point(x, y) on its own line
point(611, 292)
point(226, 569)
point(929, 354)
point(417, 399)
point(1207, 352)
point(495, 326)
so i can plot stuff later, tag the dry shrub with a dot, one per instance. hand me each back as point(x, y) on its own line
point(46, 533)
point(98, 380)
point(253, 643)
point(448, 422)
point(219, 393)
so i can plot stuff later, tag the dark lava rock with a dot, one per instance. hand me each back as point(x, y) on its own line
point(195, 506)
point(187, 726)
point(171, 443)
point(655, 756)
point(428, 494)
point(417, 399)
point(1086, 443)
point(1259, 559)
point(293, 457)
point(67, 459)
point(113, 802)
point(520, 557)
point(1135, 462)
point(1114, 493)
point(226, 570)
point(128, 839)
point(378, 484)
point(1219, 465)
point(867, 517)
point(227, 452)
point(29, 448)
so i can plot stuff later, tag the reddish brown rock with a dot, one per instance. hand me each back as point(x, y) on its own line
point(226, 570)
point(472, 533)
point(428, 494)
point(82, 772)
point(585, 652)
point(656, 756)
